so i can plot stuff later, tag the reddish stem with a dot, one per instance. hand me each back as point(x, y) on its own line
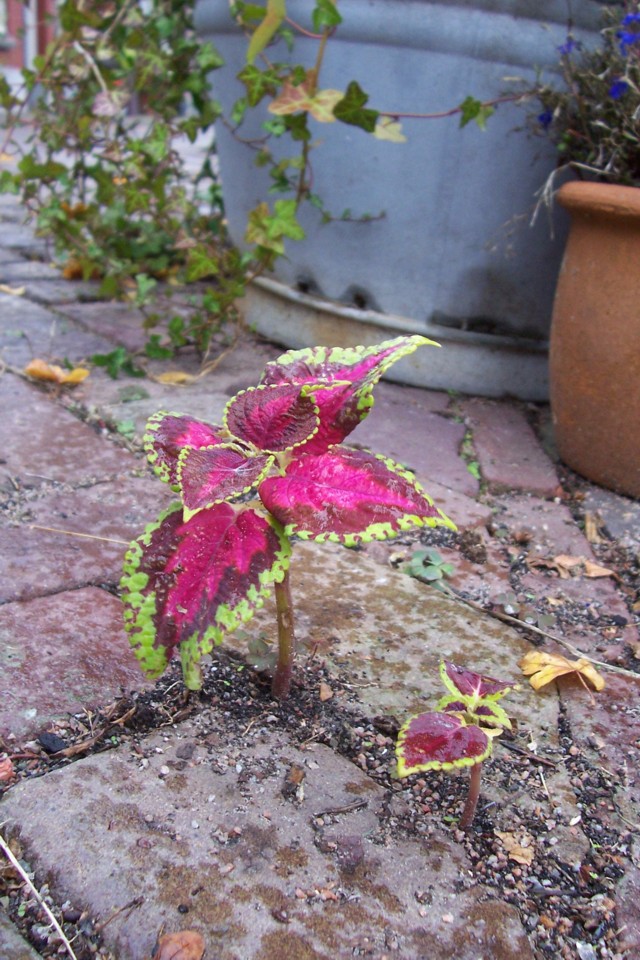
point(286, 640)
point(472, 799)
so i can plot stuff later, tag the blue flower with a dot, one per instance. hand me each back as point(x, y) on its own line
point(618, 89)
point(568, 46)
point(545, 118)
point(630, 18)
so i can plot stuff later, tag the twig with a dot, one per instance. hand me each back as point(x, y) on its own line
point(346, 808)
point(527, 753)
point(73, 533)
point(544, 633)
point(137, 902)
point(16, 865)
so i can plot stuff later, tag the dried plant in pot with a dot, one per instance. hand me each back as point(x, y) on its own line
point(595, 338)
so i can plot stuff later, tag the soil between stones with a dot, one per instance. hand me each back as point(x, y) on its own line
point(564, 906)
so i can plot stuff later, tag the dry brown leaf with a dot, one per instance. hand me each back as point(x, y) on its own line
point(520, 847)
point(595, 570)
point(593, 526)
point(325, 692)
point(542, 668)
point(567, 566)
point(185, 945)
point(13, 291)
point(7, 771)
point(41, 370)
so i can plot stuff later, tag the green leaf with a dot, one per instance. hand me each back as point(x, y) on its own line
point(472, 109)
point(154, 349)
point(351, 109)
point(117, 362)
point(325, 16)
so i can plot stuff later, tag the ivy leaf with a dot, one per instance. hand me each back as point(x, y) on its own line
point(167, 434)
point(188, 584)
point(325, 16)
point(543, 668)
point(348, 496)
point(272, 418)
point(212, 474)
point(440, 741)
point(472, 109)
point(351, 109)
point(389, 129)
point(276, 12)
point(355, 369)
point(267, 229)
point(296, 99)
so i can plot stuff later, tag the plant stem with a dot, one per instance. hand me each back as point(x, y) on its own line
point(472, 800)
point(286, 640)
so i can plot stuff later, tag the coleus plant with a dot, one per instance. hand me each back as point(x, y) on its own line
point(459, 733)
point(275, 469)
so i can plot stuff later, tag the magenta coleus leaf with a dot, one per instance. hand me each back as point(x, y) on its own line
point(167, 434)
point(470, 685)
point(360, 367)
point(485, 712)
point(348, 496)
point(187, 584)
point(439, 741)
point(224, 472)
point(272, 418)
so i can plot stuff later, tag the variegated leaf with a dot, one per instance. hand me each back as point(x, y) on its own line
point(340, 411)
point(212, 474)
point(470, 685)
point(167, 434)
point(272, 418)
point(187, 584)
point(439, 741)
point(348, 496)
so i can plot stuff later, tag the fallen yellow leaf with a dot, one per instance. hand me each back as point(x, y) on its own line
point(13, 291)
point(41, 370)
point(325, 692)
point(542, 668)
point(520, 849)
point(175, 377)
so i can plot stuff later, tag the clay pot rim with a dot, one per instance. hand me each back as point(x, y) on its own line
point(600, 199)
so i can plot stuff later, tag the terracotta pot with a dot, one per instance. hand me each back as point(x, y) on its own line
point(595, 337)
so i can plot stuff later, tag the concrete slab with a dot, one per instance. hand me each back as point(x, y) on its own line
point(214, 845)
point(101, 519)
point(621, 516)
point(15, 272)
point(60, 655)
point(509, 453)
point(40, 441)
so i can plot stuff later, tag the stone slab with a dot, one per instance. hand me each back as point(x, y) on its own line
point(621, 515)
point(60, 655)
point(508, 451)
point(59, 292)
point(28, 330)
point(213, 845)
point(549, 526)
point(40, 441)
point(15, 272)
point(107, 516)
point(426, 443)
point(12, 945)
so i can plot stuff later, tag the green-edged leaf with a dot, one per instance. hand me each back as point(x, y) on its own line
point(213, 474)
point(359, 368)
point(348, 496)
point(188, 584)
point(485, 712)
point(167, 434)
point(439, 741)
point(351, 109)
point(469, 686)
point(272, 418)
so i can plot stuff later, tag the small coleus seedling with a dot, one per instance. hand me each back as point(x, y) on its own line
point(458, 733)
point(273, 470)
